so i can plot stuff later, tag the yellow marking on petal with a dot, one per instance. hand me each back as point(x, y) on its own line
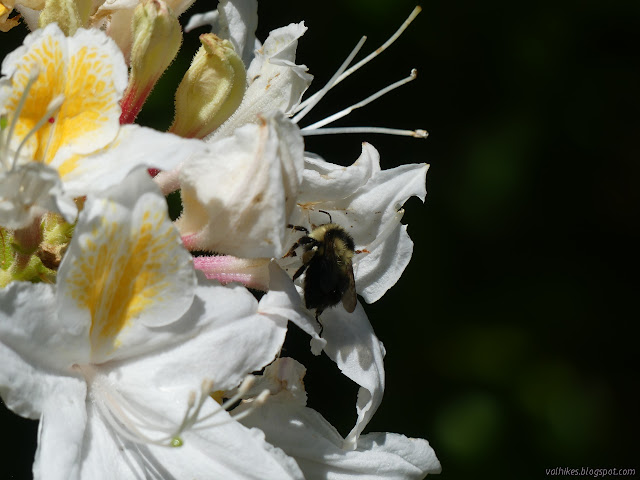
point(90, 98)
point(69, 165)
point(122, 271)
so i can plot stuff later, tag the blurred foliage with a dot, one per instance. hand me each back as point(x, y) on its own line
point(510, 340)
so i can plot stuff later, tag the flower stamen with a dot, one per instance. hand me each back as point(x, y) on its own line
point(306, 106)
point(129, 419)
point(343, 113)
point(52, 108)
point(368, 58)
point(323, 91)
point(34, 73)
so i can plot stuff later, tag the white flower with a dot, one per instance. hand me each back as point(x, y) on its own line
point(366, 201)
point(318, 448)
point(59, 102)
point(118, 361)
point(275, 82)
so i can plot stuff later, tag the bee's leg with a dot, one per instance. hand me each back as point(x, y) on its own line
point(298, 228)
point(303, 241)
point(299, 272)
point(318, 312)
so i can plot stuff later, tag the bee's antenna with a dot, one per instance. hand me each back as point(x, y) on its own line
point(324, 211)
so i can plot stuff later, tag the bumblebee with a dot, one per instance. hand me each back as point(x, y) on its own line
point(327, 259)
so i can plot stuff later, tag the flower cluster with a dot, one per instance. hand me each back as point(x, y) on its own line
point(135, 340)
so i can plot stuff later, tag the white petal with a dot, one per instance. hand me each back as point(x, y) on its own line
point(328, 181)
point(28, 192)
point(418, 456)
point(224, 451)
point(29, 16)
point(37, 348)
point(88, 61)
point(126, 269)
point(225, 336)
point(61, 433)
point(379, 270)
point(307, 437)
point(316, 445)
point(281, 43)
point(359, 354)
point(133, 147)
point(202, 19)
point(238, 22)
point(237, 200)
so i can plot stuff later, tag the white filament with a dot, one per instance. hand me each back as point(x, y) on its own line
point(305, 107)
point(52, 108)
point(343, 113)
point(33, 74)
point(133, 421)
point(369, 57)
point(318, 96)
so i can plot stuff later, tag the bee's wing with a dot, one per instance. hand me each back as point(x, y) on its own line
point(349, 298)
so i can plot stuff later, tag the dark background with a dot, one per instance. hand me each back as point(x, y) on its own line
point(511, 339)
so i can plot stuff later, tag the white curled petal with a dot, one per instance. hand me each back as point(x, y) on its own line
point(417, 457)
point(238, 22)
point(28, 192)
point(390, 189)
point(317, 447)
point(134, 146)
point(379, 270)
point(36, 351)
point(201, 20)
point(358, 353)
point(61, 433)
point(328, 181)
point(373, 207)
point(126, 268)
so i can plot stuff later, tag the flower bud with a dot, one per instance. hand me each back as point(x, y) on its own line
point(156, 40)
point(70, 15)
point(211, 90)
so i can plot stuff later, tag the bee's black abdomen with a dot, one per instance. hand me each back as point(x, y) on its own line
point(324, 284)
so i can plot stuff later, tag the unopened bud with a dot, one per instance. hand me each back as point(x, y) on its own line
point(156, 40)
point(211, 90)
point(70, 15)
